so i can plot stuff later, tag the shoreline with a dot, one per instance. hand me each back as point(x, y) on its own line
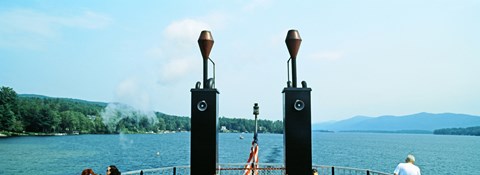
point(6, 134)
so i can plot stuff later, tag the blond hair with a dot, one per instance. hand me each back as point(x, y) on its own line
point(410, 158)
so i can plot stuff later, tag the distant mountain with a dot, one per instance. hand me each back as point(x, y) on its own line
point(340, 124)
point(420, 121)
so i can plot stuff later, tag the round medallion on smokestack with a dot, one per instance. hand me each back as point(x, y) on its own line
point(202, 105)
point(299, 105)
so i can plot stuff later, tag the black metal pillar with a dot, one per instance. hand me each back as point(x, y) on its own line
point(204, 121)
point(204, 131)
point(297, 131)
point(297, 134)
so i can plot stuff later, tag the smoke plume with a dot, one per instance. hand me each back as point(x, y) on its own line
point(115, 112)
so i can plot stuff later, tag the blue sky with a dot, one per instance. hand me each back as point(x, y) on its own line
point(370, 57)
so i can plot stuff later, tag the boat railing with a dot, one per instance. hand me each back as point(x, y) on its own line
point(263, 169)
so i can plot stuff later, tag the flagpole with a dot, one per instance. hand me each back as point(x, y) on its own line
point(255, 112)
point(255, 136)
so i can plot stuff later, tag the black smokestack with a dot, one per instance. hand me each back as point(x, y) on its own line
point(293, 41)
point(205, 42)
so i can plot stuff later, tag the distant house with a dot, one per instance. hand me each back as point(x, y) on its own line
point(224, 129)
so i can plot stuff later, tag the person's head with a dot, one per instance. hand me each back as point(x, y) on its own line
point(113, 170)
point(410, 159)
point(88, 172)
point(314, 171)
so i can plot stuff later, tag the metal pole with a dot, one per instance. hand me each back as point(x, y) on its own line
point(205, 73)
point(368, 172)
point(254, 137)
point(256, 128)
point(174, 170)
point(213, 86)
point(255, 112)
point(294, 72)
point(333, 170)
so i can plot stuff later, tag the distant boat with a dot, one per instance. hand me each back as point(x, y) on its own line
point(241, 137)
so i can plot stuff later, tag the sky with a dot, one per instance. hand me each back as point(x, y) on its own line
point(370, 57)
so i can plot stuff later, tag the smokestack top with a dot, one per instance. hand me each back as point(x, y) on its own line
point(293, 41)
point(205, 41)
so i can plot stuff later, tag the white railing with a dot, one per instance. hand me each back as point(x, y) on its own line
point(263, 169)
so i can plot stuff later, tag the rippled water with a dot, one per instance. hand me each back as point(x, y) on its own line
point(65, 155)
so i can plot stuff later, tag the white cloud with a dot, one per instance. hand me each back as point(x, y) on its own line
point(217, 20)
point(176, 62)
point(178, 55)
point(27, 21)
point(178, 67)
point(186, 30)
point(24, 28)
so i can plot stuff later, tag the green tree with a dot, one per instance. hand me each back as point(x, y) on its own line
point(30, 112)
point(99, 126)
point(474, 131)
point(70, 121)
point(8, 109)
point(161, 126)
point(277, 127)
point(144, 124)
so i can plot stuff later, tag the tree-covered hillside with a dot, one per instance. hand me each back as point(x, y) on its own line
point(473, 131)
point(21, 114)
point(248, 125)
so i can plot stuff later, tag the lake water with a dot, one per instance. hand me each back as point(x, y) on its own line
point(69, 155)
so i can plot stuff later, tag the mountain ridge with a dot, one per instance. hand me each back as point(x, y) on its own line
point(419, 121)
point(104, 104)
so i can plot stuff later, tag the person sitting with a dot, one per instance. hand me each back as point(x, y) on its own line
point(113, 170)
point(314, 171)
point(407, 168)
point(88, 171)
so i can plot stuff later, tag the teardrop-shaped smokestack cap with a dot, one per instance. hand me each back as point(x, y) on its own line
point(205, 41)
point(293, 41)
